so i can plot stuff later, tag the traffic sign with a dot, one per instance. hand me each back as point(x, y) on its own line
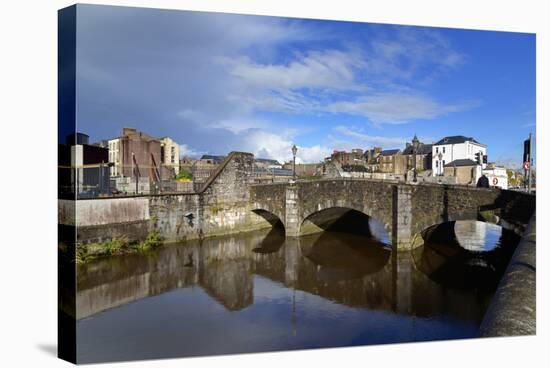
point(526, 165)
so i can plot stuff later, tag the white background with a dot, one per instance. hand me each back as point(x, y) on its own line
point(28, 207)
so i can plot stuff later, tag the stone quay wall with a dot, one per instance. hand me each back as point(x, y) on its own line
point(513, 310)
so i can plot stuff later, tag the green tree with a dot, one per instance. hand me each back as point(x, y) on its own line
point(184, 175)
point(512, 179)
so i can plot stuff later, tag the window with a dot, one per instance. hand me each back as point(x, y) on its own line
point(443, 149)
point(437, 164)
point(443, 162)
point(436, 149)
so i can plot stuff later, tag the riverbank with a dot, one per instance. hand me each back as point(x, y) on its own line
point(117, 246)
point(513, 309)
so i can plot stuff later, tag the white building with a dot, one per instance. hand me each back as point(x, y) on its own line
point(497, 176)
point(170, 155)
point(114, 157)
point(457, 147)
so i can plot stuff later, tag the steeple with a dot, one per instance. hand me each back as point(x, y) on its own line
point(415, 143)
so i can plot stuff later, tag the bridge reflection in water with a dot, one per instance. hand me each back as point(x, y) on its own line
point(261, 292)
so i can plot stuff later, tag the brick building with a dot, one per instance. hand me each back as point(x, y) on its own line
point(135, 152)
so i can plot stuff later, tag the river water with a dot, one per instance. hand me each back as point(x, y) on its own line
point(260, 292)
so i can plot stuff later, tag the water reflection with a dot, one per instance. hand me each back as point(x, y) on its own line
point(262, 292)
point(473, 257)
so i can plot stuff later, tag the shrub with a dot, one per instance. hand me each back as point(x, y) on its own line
point(116, 245)
point(152, 240)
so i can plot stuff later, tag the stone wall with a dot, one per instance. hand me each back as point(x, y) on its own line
point(176, 217)
point(221, 206)
point(93, 212)
point(225, 199)
point(270, 198)
point(98, 220)
point(513, 310)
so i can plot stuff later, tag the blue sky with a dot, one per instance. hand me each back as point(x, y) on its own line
point(220, 82)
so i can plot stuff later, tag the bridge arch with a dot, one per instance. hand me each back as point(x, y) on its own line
point(270, 216)
point(342, 219)
point(468, 238)
point(473, 249)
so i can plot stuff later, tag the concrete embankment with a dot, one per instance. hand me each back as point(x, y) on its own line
point(513, 309)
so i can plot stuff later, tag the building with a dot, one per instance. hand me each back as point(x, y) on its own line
point(186, 163)
point(170, 157)
point(354, 158)
point(372, 154)
point(304, 170)
point(273, 175)
point(387, 160)
point(115, 157)
point(371, 158)
point(423, 153)
point(454, 148)
point(135, 154)
point(202, 169)
point(90, 163)
point(497, 175)
point(466, 171)
point(211, 159)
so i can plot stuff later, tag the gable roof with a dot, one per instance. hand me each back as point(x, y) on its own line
point(389, 152)
point(455, 139)
point(461, 162)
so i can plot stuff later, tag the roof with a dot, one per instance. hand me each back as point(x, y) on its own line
point(216, 159)
point(455, 139)
point(423, 149)
point(268, 161)
point(389, 152)
point(461, 162)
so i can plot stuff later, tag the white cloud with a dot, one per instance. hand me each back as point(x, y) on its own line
point(362, 139)
point(186, 151)
point(203, 78)
point(412, 53)
point(240, 125)
point(279, 147)
point(395, 108)
point(331, 69)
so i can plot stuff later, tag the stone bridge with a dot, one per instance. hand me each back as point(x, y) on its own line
point(227, 203)
point(406, 210)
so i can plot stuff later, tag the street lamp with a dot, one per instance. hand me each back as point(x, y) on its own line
point(294, 150)
point(440, 168)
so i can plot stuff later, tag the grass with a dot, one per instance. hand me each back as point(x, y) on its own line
point(86, 253)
